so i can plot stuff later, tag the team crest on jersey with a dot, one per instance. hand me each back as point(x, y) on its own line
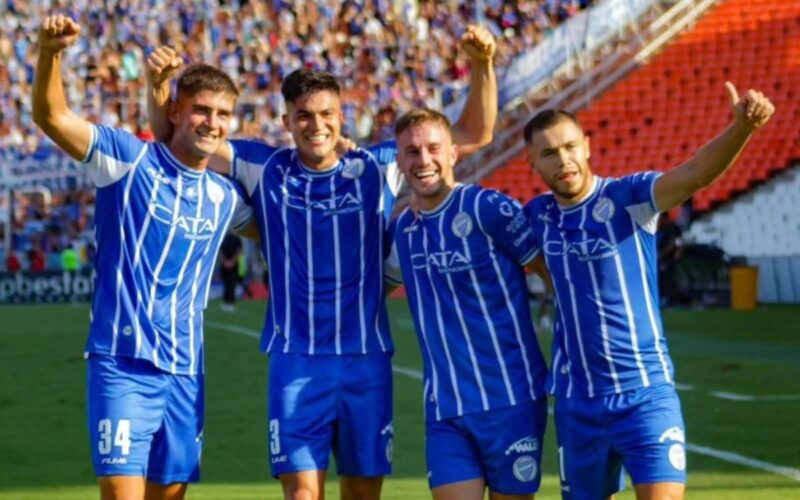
point(462, 225)
point(603, 210)
point(525, 468)
point(215, 193)
point(353, 169)
point(505, 209)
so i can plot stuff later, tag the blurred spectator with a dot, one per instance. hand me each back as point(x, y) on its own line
point(12, 262)
point(229, 254)
point(36, 260)
point(670, 250)
point(69, 259)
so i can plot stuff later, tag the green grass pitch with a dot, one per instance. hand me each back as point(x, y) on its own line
point(746, 443)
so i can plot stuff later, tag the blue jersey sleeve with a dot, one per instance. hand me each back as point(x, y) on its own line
point(636, 189)
point(112, 154)
point(502, 218)
point(249, 157)
point(243, 212)
point(385, 152)
point(386, 155)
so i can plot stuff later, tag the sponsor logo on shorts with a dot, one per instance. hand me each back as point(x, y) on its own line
point(280, 459)
point(525, 468)
point(114, 461)
point(677, 456)
point(673, 434)
point(389, 450)
point(528, 444)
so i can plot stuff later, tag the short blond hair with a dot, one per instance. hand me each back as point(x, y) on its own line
point(418, 116)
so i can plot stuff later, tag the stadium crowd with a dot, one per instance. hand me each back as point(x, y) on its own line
point(50, 236)
point(390, 55)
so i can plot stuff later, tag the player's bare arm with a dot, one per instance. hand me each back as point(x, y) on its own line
point(475, 127)
point(51, 113)
point(162, 64)
point(750, 113)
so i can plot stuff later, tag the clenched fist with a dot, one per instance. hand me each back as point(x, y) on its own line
point(478, 43)
point(58, 32)
point(162, 64)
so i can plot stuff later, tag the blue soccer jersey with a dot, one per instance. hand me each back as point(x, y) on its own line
point(462, 267)
point(158, 226)
point(323, 240)
point(602, 256)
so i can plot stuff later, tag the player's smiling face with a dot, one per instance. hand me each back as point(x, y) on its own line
point(560, 154)
point(426, 155)
point(201, 122)
point(315, 121)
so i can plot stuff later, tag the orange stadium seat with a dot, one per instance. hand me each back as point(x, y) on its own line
point(663, 112)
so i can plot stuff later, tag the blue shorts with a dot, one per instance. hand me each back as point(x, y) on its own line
point(144, 421)
point(324, 403)
point(503, 446)
point(641, 430)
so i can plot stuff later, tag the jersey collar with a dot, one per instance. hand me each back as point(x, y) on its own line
point(597, 182)
point(183, 169)
point(444, 204)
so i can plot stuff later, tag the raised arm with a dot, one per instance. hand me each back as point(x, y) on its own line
point(72, 133)
point(712, 160)
point(161, 66)
point(475, 127)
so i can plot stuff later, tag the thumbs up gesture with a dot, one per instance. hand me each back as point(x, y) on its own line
point(753, 109)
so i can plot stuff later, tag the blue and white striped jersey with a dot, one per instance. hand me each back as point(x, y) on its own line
point(323, 241)
point(462, 267)
point(601, 254)
point(158, 226)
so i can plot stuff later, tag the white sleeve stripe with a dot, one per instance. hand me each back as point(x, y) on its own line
point(92, 144)
point(653, 204)
point(530, 256)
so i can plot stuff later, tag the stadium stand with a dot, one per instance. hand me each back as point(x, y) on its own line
point(660, 114)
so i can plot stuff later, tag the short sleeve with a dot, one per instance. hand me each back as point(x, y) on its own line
point(249, 158)
point(112, 154)
point(386, 155)
point(503, 218)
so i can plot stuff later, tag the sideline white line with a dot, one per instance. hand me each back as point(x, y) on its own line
point(235, 329)
point(732, 396)
point(725, 456)
point(735, 458)
point(408, 372)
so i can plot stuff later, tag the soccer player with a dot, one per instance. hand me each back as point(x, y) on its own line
point(462, 261)
point(323, 220)
point(612, 375)
point(160, 220)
